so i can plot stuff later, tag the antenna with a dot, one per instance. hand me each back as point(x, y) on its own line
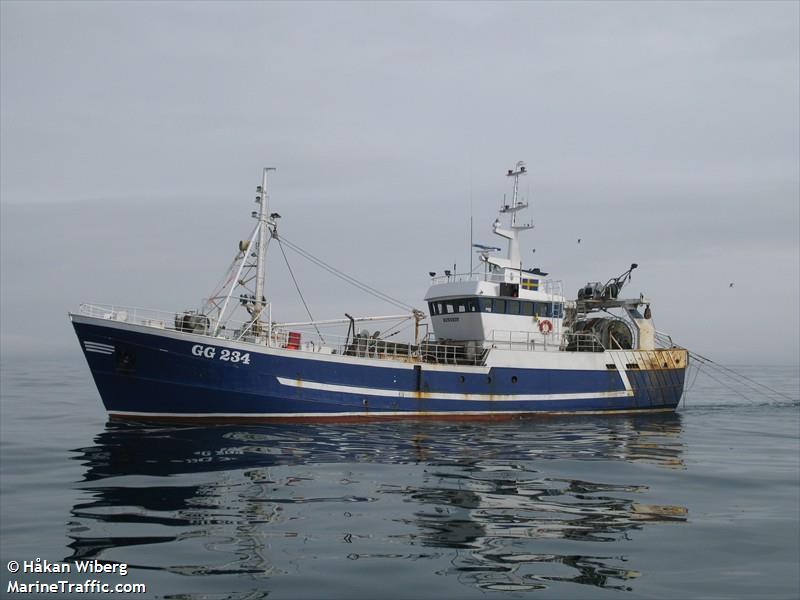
point(515, 201)
point(470, 213)
point(470, 239)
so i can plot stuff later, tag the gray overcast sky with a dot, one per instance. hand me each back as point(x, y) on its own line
point(662, 133)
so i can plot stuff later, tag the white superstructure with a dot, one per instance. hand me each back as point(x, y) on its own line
point(506, 302)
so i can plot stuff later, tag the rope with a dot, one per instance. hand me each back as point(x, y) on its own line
point(755, 385)
point(693, 369)
point(308, 310)
point(386, 336)
point(731, 388)
point(392, 326)
point(347, 278)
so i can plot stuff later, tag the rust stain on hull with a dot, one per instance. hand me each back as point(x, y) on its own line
point(661, 359)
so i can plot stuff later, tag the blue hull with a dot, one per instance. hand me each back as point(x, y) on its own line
point(142, 374)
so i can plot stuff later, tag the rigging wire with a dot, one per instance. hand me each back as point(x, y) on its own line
point(382, 334)
point(755, 385)
point(347, 278)
point(386, 336)
point(730, 387)
point(692, 372)
point(392, 326)
point(294, 279)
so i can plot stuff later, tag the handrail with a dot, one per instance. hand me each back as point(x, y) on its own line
point(161, 319)
point(362, 346)
point(456, 277)
point(428, 350)
point(551, 287)
point(253, 321)
point(582, 341)
point(279, 338)
point(665, 340)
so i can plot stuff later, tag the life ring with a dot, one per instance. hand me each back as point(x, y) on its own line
point(545, 326)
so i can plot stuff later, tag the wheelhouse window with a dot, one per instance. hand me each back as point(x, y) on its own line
point(542, 310)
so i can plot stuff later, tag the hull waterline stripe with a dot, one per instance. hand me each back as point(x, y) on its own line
point(365, 391)
point(377, 415)
point(99, 351)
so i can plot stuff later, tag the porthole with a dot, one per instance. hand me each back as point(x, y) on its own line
point(489, 379)
point(513, 379)
point(461, 378)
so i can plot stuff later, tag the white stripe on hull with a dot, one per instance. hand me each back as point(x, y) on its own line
point(98, 347)
point(365, 391)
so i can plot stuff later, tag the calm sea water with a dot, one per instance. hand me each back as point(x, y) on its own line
point(704, 503)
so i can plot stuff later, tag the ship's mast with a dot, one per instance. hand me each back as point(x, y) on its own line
point(515, 174)
point(263, 231)
point(511, 234)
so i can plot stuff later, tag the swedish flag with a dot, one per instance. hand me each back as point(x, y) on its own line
point(530, 284)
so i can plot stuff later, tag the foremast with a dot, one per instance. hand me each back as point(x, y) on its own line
point(245, 280)
point(244, 283)
point(264, 221)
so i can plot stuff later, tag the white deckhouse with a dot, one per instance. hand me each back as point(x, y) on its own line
point(506, 302)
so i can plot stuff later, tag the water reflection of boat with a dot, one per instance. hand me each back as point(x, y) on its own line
point(498, 506)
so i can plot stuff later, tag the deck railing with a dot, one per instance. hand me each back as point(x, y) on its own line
point(549, 286)
point(457, 277)
point(300, 340)
point(664, 340)
point(171, 321)
point(428, 350)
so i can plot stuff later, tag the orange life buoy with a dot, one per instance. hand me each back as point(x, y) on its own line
point(545, 326)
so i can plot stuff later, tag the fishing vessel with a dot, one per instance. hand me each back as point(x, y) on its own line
point(500, 341)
